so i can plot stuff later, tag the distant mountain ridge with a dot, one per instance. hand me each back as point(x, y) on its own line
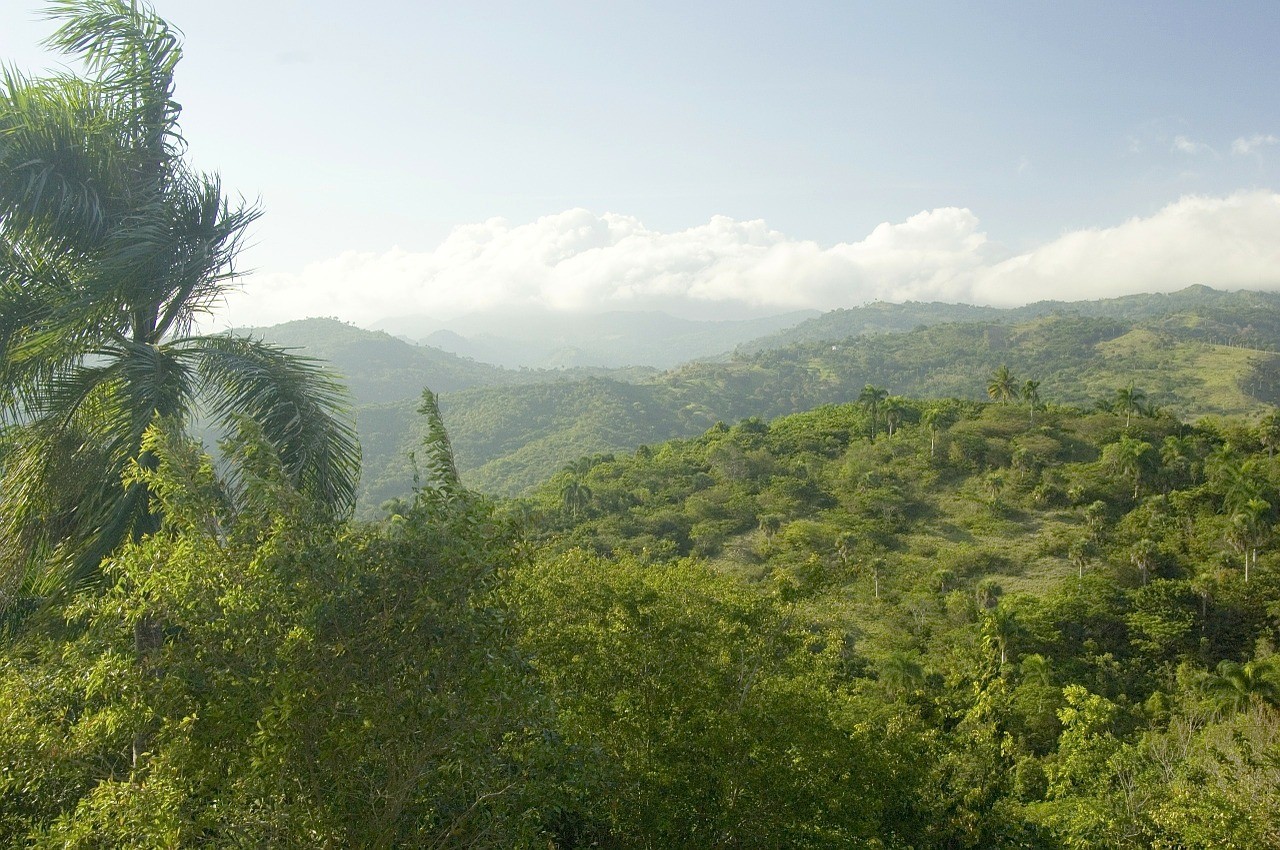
point(540, 339)
point(1197, 352)
point(888, 317)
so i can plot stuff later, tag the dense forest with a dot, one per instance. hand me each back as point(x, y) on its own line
point(1033, 602)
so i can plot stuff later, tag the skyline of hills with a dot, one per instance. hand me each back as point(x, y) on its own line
point(1197, 352)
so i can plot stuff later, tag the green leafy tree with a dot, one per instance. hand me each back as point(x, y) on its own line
point(327, 684)
point(111, 246)
point(709, 718)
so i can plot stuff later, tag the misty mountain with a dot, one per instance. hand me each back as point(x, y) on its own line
point(533, 338)
point(379, 368)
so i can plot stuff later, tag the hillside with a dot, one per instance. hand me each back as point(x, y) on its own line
point(1073, 599)
point(1078, 361)
point(376, 366)
point(883, 317)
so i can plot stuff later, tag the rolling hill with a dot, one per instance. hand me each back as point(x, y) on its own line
point(1196, 353)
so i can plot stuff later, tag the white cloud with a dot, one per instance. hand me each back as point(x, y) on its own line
point(1182, 144)
point(1227, 243)
point(1252, 144)
point(577, 260)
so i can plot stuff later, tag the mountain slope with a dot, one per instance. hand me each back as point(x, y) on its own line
point(376, 366)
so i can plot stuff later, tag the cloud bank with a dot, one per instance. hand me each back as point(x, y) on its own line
point(581, 261)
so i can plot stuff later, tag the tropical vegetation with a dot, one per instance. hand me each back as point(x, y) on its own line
point(852, 616)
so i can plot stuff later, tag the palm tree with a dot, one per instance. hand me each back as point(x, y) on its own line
point(1249, 531)
point(1080, 553)
point(1129, 400)
point(999, 626)
point(987, 593)
point(1176, 454)
point(1129, 456)
point(900, 672)
point(1002, 386)
point(1143, 556)
point(936, 419)
point(894, 407)
point(1031, 395)
point(870, 398)
point(575, 496)
point(111, 246)
point(442, 471)
point(1269, 432)
point(1239, 479)
point(1232, 686)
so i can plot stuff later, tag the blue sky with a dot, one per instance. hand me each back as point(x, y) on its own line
point(372, 132)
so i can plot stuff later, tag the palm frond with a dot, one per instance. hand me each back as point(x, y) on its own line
point(209, 233)
point(119, 394)
point(59, 151)
point(295, 403)
point(56, 495)
point(441, 470)
point(133, 53)
point(47, 327)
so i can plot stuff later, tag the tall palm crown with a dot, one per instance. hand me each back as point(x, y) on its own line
point(870, 398)
point(1031, 395)
point(110, 247)
point(1127, 401)
point(1002, 386)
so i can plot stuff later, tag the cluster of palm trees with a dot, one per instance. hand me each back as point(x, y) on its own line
point(1131, 401)
point(1003, 387)
point(1245, 490)
point(111, 248)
